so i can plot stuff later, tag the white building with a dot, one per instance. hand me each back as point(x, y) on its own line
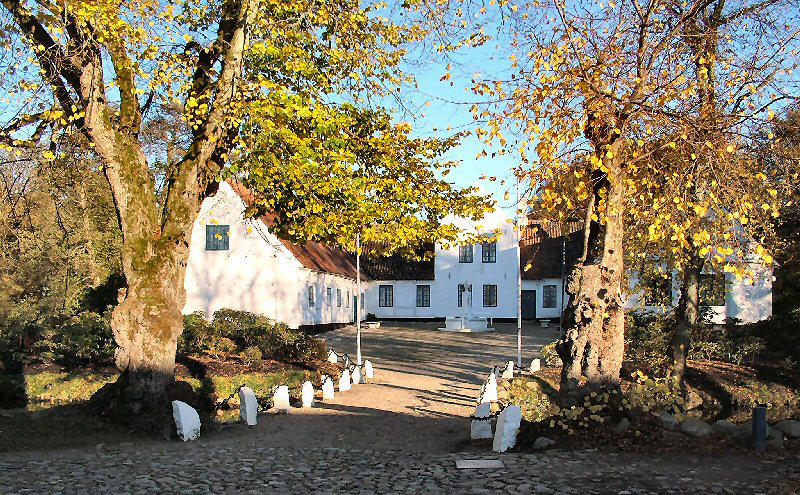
point(237, 263)
point(469, 280)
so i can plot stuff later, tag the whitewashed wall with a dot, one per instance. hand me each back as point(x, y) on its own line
point(748, 303)
point(257, 273)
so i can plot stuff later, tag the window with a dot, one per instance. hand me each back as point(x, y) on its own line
point(339, 298)
point(489, 296)
point(423, 296)
point(460, 295)
point(347, 299)
point(362, 300)
point(310, 296)
point(712, 289)
point(549, 296)
point(465, 253)
point(330, 296)
point(217, 237)
point(657, 291)
point(385, 296)
point(489, 252)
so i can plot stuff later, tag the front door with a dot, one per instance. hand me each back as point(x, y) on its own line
point(355, 308)
point(529, 304)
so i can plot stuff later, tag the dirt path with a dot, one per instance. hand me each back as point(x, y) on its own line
point(424, 390)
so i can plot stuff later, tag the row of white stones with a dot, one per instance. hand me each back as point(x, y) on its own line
point(187, 421)
point(505, 434)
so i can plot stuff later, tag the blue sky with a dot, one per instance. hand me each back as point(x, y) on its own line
point(450, 109)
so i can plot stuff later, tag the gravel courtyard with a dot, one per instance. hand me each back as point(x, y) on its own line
point(401, 433)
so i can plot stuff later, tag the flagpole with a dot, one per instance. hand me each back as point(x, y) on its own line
point(358, 298)
point(519, 284)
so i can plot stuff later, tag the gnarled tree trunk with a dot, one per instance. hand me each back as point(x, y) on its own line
point(593, 344)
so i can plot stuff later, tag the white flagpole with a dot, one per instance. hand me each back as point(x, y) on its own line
point(358, 298)
point(519, 285)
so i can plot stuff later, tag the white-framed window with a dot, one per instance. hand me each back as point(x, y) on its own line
point(385, 296)
point(489, 252)
point(423, 296)
point(330, 296)
point(549, 296)
point(217, 237)
point(657, 290)
point(712, 289)
point(362, 300)
point(338, 298)
point(465, 253)
point(347, 299)
point(310, 296)
point(460, 295)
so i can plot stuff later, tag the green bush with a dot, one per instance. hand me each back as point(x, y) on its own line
point(81, 339)
point(647, 339)
point(253, 336)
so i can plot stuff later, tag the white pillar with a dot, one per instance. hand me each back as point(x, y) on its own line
point(358, 298)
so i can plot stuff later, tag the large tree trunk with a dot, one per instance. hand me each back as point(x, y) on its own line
point(593, 344)
point(687, 315)
point(147, 321)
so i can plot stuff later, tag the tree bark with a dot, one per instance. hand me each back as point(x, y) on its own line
point(593, 344)
point(687, 314)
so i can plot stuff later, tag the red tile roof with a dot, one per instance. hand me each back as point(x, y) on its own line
point(312, 255)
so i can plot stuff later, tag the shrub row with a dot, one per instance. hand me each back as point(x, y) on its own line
point(85, 338)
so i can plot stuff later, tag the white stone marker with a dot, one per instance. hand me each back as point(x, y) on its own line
point(344, 381)
point(187, 421)
point(358, 377)
point(482, 428)
point(505, 435)
point(248, 406)
point(489, 393)
point(307, 394)
point(536, 365)
point(333, 357)
point(509, 371)
point(369, 372)
point(327, 387)
point(280, 399)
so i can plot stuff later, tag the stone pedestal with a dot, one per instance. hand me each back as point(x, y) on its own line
point(505, 435)
point(344, 381)
point(358, 377)
point(307, 394)
point(248, 406)
point(327, 388)
point(280, 399)
point(509, 371)
point(369, 372)
point(187, 421)
point(333, 357)
point(481, 426)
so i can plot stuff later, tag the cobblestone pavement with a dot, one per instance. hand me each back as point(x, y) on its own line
point(230, 469)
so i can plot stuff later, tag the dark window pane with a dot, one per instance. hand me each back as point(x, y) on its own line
point(217, 237)
point(657, 291)
point(549, 296)
point(489, 252)
point(423, 296)
point(489, 296)
point(465, 253)
point(712, 289)
point(385, 296)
